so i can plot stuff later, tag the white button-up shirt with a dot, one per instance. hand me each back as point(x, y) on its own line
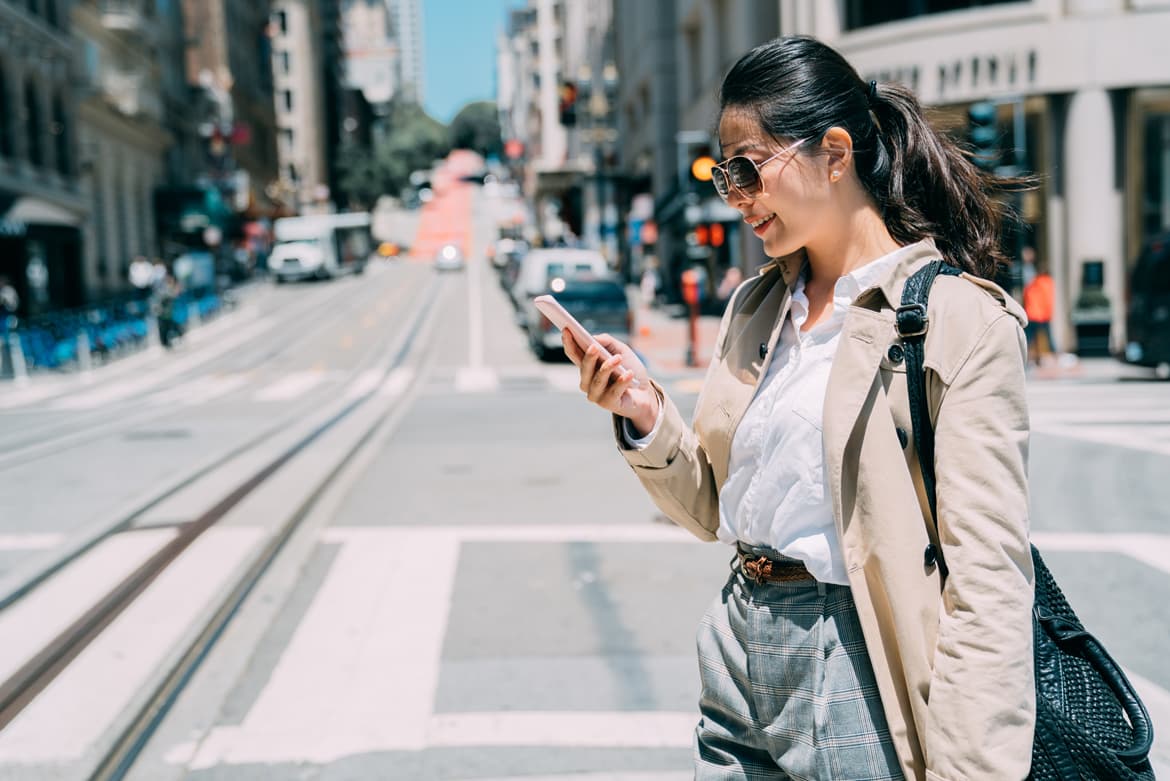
point(777, 490)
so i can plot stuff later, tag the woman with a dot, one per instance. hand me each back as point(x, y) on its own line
point(837, 649)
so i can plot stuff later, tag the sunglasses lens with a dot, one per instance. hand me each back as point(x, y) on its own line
point(744, 175)
point(720, 181)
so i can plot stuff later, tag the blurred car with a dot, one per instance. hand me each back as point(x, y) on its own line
point(1148, 323)
point(449, 258)
point(540, 266)
point(599, 303)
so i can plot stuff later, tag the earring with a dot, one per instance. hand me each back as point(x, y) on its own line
point(835, 175)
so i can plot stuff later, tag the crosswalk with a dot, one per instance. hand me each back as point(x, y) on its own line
point(1124, 414)
point(359, 672)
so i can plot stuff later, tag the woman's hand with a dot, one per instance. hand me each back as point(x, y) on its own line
point(609, 384)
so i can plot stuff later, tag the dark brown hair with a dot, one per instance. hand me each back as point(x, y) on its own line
point(924, 184)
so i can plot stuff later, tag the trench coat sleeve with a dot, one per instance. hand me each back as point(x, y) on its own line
point(675, 471)
point(982, 709)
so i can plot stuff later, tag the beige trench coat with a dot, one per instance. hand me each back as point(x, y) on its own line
point(953, 659)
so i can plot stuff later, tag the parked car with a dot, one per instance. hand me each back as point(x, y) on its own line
point(449, 258)
point(599, 303)
point(1148, 324)
point(541, 266)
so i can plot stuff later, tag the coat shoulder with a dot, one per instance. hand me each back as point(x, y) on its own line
point(961, 308)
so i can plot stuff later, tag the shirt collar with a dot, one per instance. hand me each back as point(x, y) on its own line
point(870, 275)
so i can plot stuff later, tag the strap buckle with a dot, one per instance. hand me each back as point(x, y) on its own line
point(911, 320)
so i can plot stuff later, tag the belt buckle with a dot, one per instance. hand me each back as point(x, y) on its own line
point(758, 569)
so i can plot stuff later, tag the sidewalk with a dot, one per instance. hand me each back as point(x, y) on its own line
point(661, 339)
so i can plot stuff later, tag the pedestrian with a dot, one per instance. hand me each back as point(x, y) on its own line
point(9, 300)
point(838, 648)
point(1039, 300)
point(648, 285)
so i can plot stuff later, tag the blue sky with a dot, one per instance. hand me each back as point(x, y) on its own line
point(459, 38)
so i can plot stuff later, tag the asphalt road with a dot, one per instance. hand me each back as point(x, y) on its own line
point(486, 592)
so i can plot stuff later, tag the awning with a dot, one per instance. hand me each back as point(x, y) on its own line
point(30, 210)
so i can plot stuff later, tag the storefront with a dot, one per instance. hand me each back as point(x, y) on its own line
point(40, 254)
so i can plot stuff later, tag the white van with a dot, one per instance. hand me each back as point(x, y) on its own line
point(320, 246)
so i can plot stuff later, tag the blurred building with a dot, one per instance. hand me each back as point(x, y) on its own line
point(407, 21)
point(1079, 92)
point(538, 99)
point(229, 57)
point(42, 207)
point(1082, 91)
point(371, 51)
point(298, 42)
point(122, 136)
point(672, 55)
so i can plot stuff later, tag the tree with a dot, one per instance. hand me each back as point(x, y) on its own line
point(413, 140)
point(477, 127)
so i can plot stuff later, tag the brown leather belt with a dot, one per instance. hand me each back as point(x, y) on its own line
point(762, 569)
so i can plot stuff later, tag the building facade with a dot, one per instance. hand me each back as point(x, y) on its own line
point(122, 137)
point(1080, 91)
point(298, 67)
point(1083, 94)
point(229, 59)
point(42, 206)
point(371, 51)
point(407, 21)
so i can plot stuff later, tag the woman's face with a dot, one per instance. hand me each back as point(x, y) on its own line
point(787, 215)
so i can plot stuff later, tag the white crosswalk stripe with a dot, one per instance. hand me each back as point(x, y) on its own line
point(1126, 414)
point(326, 700)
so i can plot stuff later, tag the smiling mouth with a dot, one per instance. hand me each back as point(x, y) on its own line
point(758, 226)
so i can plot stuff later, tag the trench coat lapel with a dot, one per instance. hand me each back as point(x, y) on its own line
point(852, 379)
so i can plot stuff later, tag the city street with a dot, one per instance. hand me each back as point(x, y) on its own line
point(423, 558)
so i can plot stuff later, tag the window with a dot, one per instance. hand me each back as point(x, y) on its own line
point(5, 118)
point(694, 54)
point(32, 125)
point(285, 62)
point(51, 12)
point(282, 22)
point(286, 99)
point(860, 13)
point(61, 137)
point(286, 140)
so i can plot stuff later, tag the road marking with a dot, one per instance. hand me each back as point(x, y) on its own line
point(290, 387)
point(33, 541)
point(32, 621)
point(397, 383)
point(1151, 549)
point(366, 383)
point(98, 690)
point(198, 391)
point(1157, 702)
point(362, 669)
point(593, 729)
point(375, 535)
point(476, 379)
point(360, 673)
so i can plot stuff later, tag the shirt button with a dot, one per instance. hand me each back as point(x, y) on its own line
point(763, 350)
point(896, 353)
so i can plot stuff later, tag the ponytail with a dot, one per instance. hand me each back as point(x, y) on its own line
point(925, 185)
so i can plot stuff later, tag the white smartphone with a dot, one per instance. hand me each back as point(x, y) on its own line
point(560, 317)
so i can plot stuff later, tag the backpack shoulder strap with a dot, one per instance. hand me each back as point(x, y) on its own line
point(913, 321)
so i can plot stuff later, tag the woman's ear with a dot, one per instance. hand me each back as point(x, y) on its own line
point(837, 146)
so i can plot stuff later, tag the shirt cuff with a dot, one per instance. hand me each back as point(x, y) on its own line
point(631, 436)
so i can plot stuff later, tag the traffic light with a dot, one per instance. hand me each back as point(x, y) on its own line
point(700, 163)
point(983, 134)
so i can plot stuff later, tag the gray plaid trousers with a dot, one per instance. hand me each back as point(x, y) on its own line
point(787, 687)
